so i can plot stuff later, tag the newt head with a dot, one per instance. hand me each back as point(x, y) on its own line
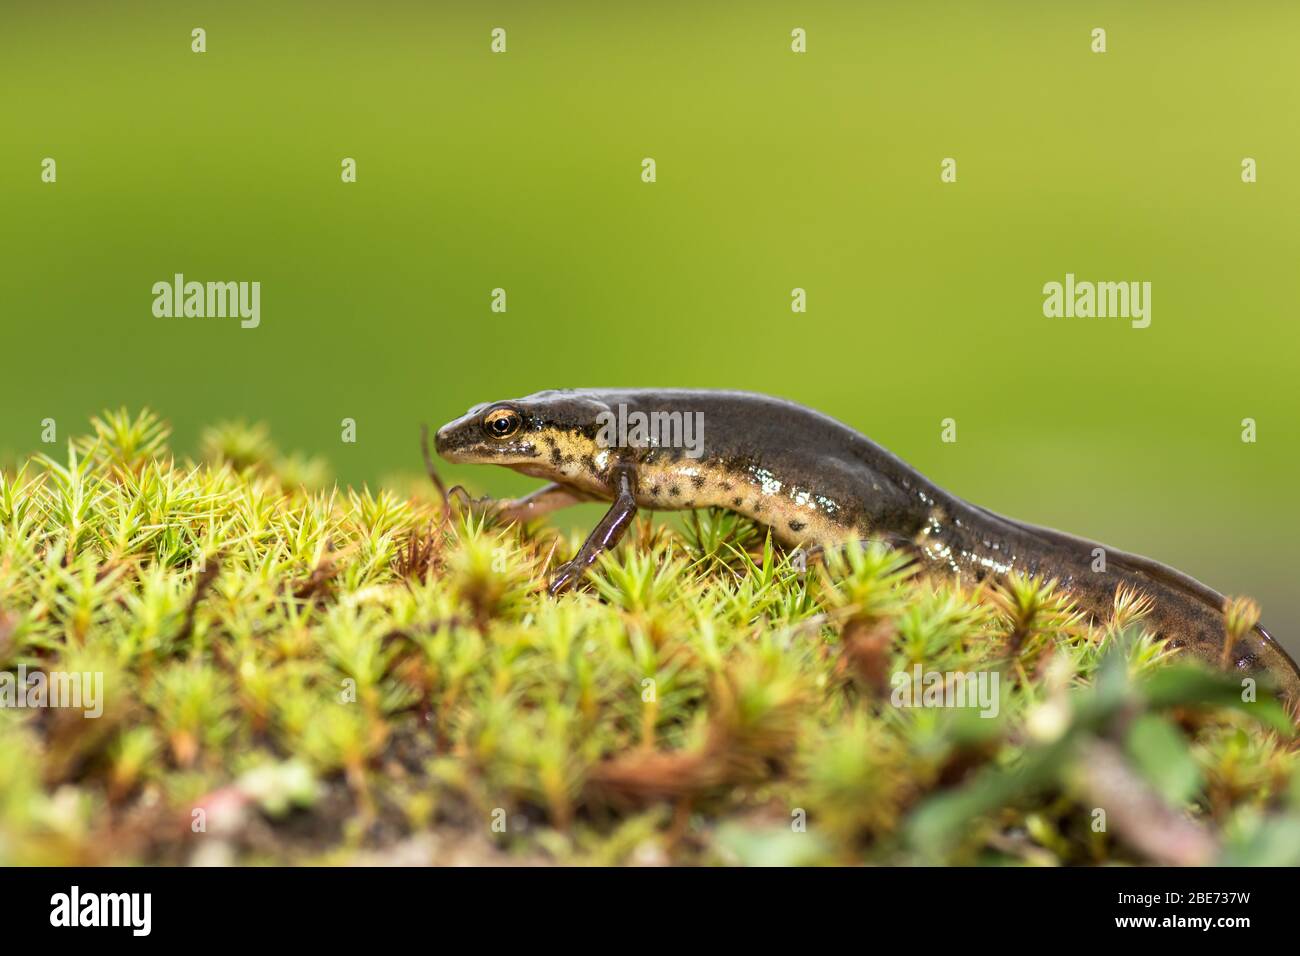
point(547, 435)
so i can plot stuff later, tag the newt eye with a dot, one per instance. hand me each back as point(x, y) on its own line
point(502, 422)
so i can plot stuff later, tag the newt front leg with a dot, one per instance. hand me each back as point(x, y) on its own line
point(541, 502)
point(605, 535)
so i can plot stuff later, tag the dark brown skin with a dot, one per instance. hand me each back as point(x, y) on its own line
point(816, 482)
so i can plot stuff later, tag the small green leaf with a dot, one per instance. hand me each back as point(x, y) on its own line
point(1276, 842)
point(941, 821)
point(771, 846)
point(1187, 685)
point(1161, 754)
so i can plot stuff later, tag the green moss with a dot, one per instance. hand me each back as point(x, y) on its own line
point(295, 672)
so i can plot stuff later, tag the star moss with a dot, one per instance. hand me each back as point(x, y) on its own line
point(297, 672)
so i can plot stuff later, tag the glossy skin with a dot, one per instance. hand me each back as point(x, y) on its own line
point(814, 481)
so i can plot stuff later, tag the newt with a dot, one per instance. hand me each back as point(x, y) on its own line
point(816, 483)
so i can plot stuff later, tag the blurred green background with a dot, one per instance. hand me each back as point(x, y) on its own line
point(775, 170)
